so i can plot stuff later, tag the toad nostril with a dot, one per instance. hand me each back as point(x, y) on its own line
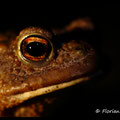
point(3, 48)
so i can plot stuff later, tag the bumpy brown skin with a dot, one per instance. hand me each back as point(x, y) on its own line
point(72, 60)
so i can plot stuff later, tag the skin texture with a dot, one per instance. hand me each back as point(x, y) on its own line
point(70, 62)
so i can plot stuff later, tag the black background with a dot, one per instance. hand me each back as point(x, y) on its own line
point(103, 90)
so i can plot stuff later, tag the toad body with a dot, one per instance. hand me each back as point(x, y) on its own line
point(37, 62)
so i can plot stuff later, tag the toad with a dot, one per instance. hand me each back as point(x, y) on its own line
point(38, 62)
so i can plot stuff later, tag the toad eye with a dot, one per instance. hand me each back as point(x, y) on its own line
point(34, 49)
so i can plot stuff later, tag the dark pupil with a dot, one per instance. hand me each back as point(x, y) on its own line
point(35, 49)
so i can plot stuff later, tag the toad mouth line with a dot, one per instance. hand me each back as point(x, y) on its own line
point(20, 98)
